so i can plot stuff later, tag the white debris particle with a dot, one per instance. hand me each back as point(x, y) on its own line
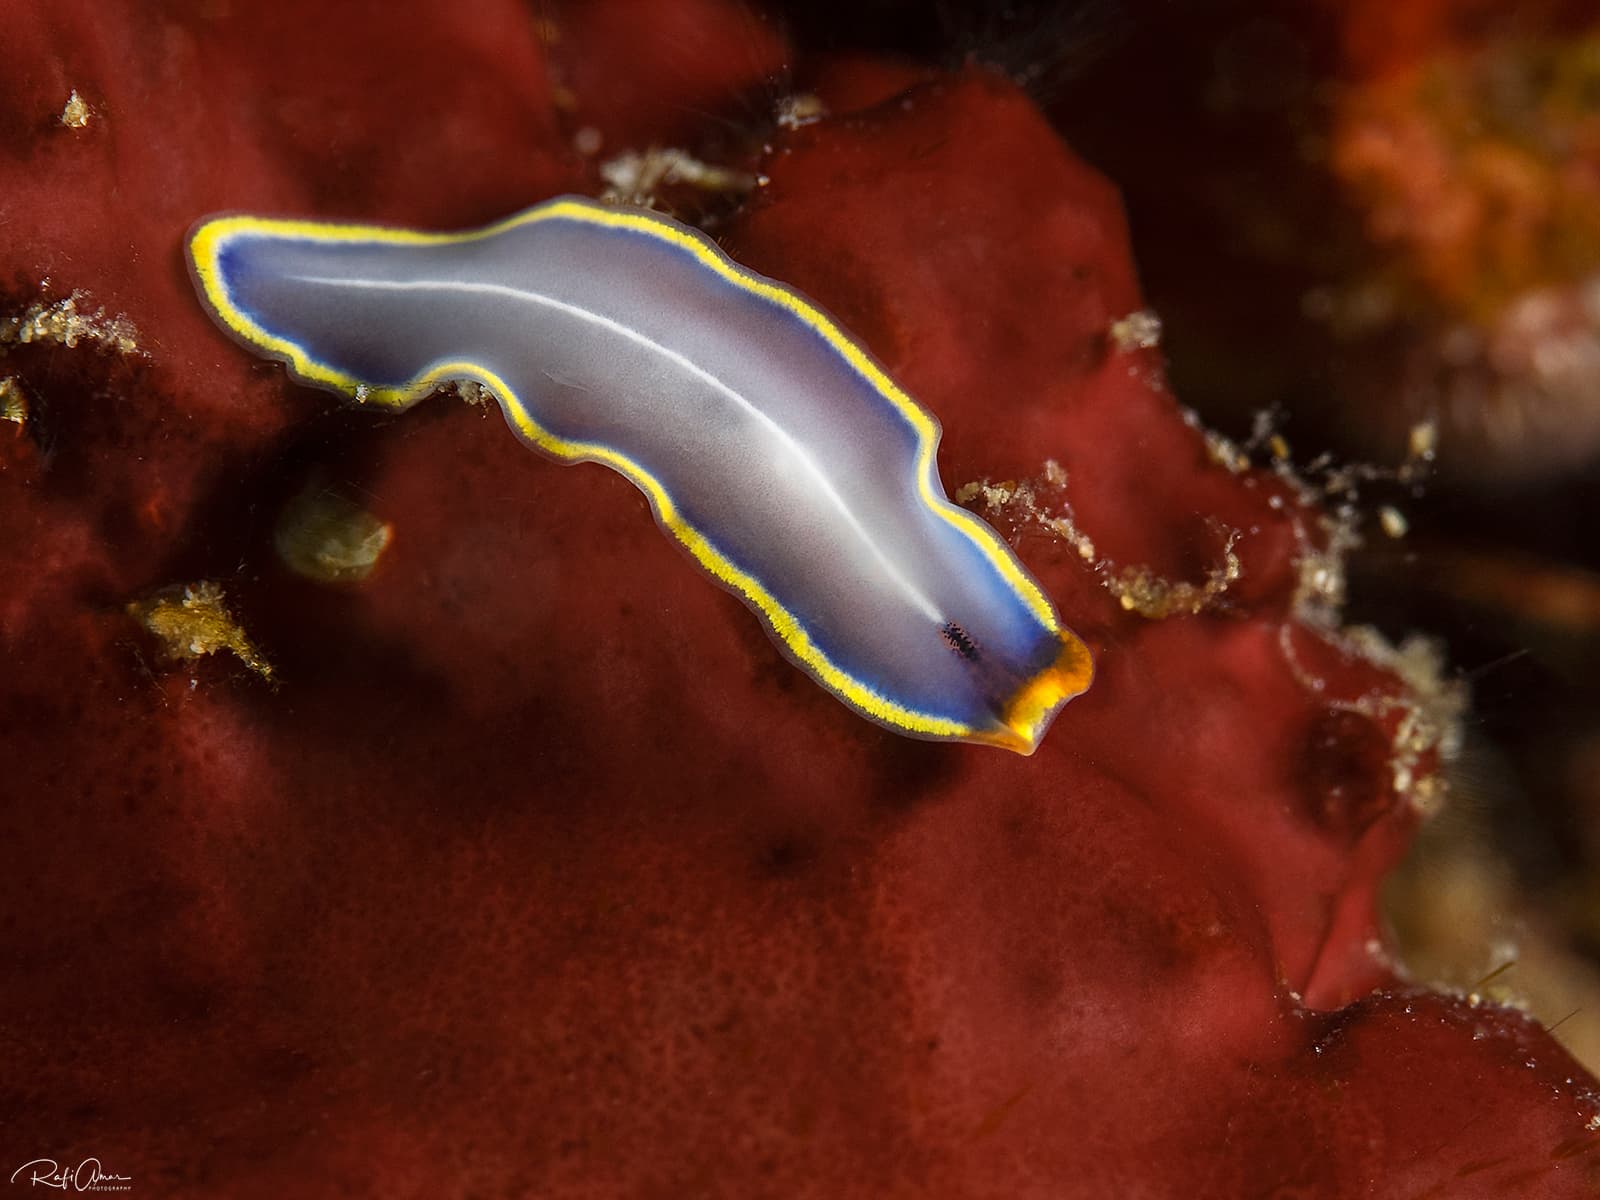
point(633, 177)
point(800, 108)
point(1225, 452)
point(474, 392)
point(1137, 331)
point(1423, 442)
point(1392, 521)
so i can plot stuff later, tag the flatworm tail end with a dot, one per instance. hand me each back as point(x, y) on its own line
point(1029, 712)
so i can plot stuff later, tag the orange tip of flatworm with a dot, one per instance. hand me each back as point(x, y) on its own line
point(1029, 711)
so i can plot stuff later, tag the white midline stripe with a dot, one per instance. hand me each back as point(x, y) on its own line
point(785, 439)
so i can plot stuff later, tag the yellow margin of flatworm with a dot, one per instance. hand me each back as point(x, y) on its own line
point(1066, 677)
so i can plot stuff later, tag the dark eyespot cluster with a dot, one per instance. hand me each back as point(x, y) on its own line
point(959, 640)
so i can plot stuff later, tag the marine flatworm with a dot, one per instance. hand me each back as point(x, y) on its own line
point(769, 442)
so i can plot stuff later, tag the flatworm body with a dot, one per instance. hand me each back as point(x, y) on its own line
point(769, 442)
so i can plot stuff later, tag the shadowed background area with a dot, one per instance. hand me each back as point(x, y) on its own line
point(1355, 220)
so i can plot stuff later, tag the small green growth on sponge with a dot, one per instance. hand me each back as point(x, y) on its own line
point(325, 537)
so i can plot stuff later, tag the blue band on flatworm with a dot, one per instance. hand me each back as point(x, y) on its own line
point(770, 444)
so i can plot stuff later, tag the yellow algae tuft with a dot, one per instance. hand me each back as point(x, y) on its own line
point(13, 401)
point(193, 620)
point(325, 537)
point(64, 324)
point(1137, 588)
point(76, 113)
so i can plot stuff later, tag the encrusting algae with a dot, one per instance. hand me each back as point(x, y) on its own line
point(193, 621)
